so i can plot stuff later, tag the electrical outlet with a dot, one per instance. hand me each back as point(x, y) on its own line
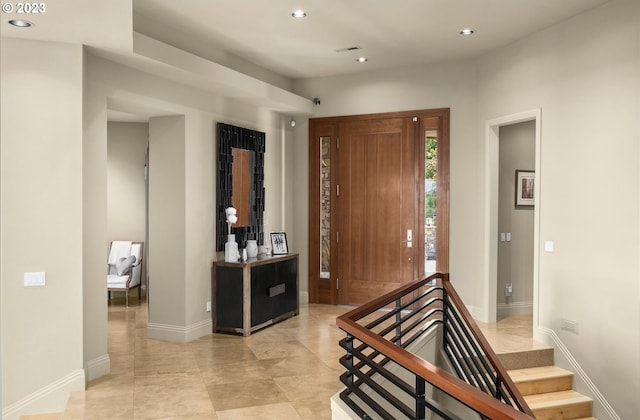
point(209, 306)
point(570, 326)
point(508, 289)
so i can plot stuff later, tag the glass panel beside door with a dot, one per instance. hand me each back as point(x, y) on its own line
point(430, 199)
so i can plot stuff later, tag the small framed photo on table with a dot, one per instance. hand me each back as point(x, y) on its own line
point(279, 243)
point(525, 188)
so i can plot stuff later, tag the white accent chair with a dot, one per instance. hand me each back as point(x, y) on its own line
point(124, 268)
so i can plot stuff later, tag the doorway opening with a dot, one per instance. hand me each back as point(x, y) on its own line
point(515, 220)
point(488, 311)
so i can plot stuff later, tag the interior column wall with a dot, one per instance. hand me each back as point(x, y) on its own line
point(41, 184)
point(166, 248)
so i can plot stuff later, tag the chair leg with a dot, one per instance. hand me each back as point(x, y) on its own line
point(126, 297)
point(139, 293)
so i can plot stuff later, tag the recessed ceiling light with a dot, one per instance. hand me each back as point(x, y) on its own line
point(362, 59)
point(299, 14)
point(467, 31)
point(21, 23)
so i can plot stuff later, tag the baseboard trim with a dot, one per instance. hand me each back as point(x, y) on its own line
point(98, 367)
point(515, 308)
point(49, 399)
point(179, 334)
point(304, 298)
point(549, 337)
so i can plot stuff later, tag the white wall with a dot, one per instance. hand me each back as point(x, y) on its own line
point(515, 257)
point(41, 226)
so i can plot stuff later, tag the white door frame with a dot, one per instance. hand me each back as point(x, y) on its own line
point(490, 257)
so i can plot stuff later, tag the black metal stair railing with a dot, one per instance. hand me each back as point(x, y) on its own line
point(385, 379)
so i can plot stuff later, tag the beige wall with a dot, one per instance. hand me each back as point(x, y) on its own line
point(515, 257)
point(586, 84)
point(126, 150)
point(445, 85)
point(585, 81)
point(94, 228)
point(167, 237)
point(184, 170)
point(41, 226)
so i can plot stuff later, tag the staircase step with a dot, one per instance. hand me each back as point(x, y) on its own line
point(540, 380)
point(527, 358)
point(562, 405)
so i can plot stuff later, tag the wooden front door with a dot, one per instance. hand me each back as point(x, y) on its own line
point(370, 239)
point(375, 208)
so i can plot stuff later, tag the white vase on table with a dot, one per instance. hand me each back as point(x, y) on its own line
point(231, 253)
point(252, 248)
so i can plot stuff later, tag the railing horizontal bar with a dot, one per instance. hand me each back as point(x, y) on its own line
point(377, 408)
point(383, 392)
point(376, 368)
point(386, 315)
point(432, 324)
point(413, 325)
point(384, 300)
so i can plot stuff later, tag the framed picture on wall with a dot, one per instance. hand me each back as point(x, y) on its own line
point(525, 188)
point(279, 243)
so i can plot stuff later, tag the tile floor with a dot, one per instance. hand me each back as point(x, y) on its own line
point(287, 371)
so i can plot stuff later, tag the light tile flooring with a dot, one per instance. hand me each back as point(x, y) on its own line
point(287, 371)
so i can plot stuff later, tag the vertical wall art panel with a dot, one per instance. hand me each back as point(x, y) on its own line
point(230, 137)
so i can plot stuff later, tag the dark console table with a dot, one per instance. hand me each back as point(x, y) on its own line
point(252, 295)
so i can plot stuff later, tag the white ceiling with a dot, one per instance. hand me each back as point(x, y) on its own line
point(259, 38)
point(390, 33)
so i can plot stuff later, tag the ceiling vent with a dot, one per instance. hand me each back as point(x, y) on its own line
point(339, 50)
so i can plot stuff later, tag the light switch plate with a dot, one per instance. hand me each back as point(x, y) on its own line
point(35, 279)
point(548, 246)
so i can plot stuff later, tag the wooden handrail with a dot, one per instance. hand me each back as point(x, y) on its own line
point(469, 395)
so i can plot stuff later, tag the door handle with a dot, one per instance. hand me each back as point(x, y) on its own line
point(409, 240)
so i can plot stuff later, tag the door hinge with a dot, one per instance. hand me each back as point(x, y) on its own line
point(337, 283)
point(337, 142)
point(337, 190)
point(337, 236)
